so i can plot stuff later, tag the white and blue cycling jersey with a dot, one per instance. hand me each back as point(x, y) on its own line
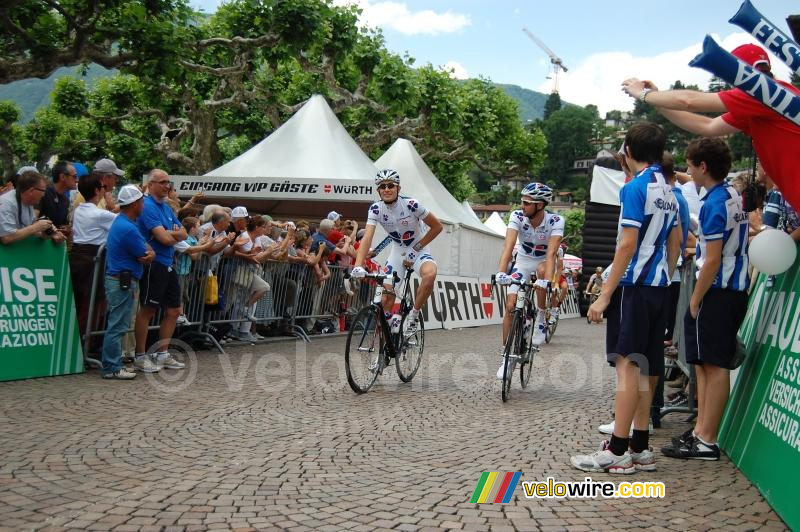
point(648, 204)
point(402, 220)
point(533, 241)
point(722, 218)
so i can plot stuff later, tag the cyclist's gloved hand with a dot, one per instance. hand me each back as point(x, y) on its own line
point(502, 278)
point(541, 283)
point(358, 272)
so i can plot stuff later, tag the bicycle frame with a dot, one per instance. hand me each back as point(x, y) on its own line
point(377, 305)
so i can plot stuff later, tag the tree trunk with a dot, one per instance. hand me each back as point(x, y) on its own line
point(205, 152)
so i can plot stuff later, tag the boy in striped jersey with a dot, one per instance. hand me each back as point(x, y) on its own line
point(719, 300)
point(635, 297)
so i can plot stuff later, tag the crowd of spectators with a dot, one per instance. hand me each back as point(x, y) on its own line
point(179, 245)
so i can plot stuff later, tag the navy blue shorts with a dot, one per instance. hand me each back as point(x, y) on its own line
point(635, 321)
point(711, 338)
point(159, 287)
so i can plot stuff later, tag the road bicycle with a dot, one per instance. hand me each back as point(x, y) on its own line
point(550, 319)
point(371, 344)
point(519, 348)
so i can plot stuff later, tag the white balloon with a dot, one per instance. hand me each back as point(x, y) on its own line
point(772, 251)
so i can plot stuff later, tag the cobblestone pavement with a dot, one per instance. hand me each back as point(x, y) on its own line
point(272, 437)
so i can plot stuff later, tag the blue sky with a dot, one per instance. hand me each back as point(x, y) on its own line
point(601, 43)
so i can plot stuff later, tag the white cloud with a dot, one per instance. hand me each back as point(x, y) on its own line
point(597, 79)
point(398, 17)
point(458, 70)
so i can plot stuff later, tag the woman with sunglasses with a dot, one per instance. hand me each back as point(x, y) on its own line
point(539, 234)
point(412, 227)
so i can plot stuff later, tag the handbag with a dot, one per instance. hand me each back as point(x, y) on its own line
point(212, 290)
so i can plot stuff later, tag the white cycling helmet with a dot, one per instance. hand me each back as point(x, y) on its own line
point(387, 175)
point(538, 192)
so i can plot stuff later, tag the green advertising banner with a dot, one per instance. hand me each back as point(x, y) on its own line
point(38, 330)
point(760, 431)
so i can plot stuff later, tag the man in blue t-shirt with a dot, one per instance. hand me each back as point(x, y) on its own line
point(719, 300)
point(160, 286)
point(126, 252)
point(634, 296)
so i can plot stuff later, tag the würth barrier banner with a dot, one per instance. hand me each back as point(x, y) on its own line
point(471, 302)
point(761, 428)
point(38, 330)
point(362, 190)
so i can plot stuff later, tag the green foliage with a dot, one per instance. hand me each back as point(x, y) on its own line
point(573, 230)
point(553, 104)
point(568, 133)
point(193, 91)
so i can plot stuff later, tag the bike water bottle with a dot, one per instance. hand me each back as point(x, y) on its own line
point(394, 323)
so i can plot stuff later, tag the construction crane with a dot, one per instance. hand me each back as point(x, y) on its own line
point(556, 61)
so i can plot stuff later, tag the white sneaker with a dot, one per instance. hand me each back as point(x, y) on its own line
point(144, 364)
point(182, 320)
point(609, 428)
point(121, 374)
point(553, 315)
point(154, 360)
point(166, 360)
point(604, 461)
point(644, 461)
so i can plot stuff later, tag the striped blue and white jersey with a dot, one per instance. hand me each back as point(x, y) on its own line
point(648, 204)
point(722, 218)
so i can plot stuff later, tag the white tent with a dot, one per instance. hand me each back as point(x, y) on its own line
point(301, 168)
point(465, 247)
point(495, 223)
point(468, 209)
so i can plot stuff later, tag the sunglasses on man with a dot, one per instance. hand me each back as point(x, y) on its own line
point(386, 186)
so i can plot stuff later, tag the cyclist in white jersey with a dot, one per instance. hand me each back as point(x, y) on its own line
point(412, 227)
point(539, 234)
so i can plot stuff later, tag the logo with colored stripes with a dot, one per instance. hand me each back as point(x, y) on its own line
point(495, 487)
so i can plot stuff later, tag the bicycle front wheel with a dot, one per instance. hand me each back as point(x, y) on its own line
point(510, 354)
point(363, 351)
point(409, 353)
point(528, 352)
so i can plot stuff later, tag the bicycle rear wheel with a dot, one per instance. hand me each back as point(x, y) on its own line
point(510, 354)
point(409, 352)
point(363, 350)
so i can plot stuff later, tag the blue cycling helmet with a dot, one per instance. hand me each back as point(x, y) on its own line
point(387, 175)
point(538, 192)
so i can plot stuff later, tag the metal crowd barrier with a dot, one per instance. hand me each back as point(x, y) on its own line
point(292, 303)
point(193, 286)
point(687, 287)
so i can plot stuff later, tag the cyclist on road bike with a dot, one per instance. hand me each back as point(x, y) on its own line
point(595, 282)
point(412, 227)
point(539, 234)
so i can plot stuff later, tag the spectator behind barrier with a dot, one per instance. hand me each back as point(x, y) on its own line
point(188, 251)
point(90, 228)
point(160, 286)
point(107, 171)
point(17, 218)
point(55, 203)
point(126, 252)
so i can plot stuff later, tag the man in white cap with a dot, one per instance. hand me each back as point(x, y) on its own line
point(334, 216)
point(126, 252)
point(108, 171)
